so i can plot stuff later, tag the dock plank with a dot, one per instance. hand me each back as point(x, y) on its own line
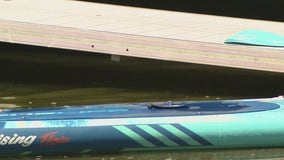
point(137, 32)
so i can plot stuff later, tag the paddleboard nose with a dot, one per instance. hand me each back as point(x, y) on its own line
point(257, 37)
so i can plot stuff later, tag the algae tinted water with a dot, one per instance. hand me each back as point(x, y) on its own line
point(40, 77)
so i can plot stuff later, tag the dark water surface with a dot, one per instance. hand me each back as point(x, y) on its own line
point(245, 154)
point(39, 77)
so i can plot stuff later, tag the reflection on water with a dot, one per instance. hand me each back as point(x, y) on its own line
point(38, 77)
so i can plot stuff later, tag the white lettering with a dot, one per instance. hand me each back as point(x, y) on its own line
point(28, 141)
point(24, 141)
point(5, 140)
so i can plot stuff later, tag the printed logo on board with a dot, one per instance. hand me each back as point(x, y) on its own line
point(16, 139)
point(50, 139)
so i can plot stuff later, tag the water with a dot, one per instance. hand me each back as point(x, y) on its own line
point(39, 77)
point(263, 154)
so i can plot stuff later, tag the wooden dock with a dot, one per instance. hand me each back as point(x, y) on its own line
point(137, 32)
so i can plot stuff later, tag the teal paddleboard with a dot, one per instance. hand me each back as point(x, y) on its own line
point(246, 123)
point(257, 37)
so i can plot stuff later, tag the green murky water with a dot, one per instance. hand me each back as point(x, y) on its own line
point(39, 77)
point(247, 154)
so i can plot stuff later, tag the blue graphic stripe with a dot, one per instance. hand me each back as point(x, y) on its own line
point(136, 137)
point(192, 134)
point(180, 135)
point(146, 136)
point(163, 135)
point(170, 135)
point(158, 135)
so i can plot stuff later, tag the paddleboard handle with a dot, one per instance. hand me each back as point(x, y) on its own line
point(167, 105)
